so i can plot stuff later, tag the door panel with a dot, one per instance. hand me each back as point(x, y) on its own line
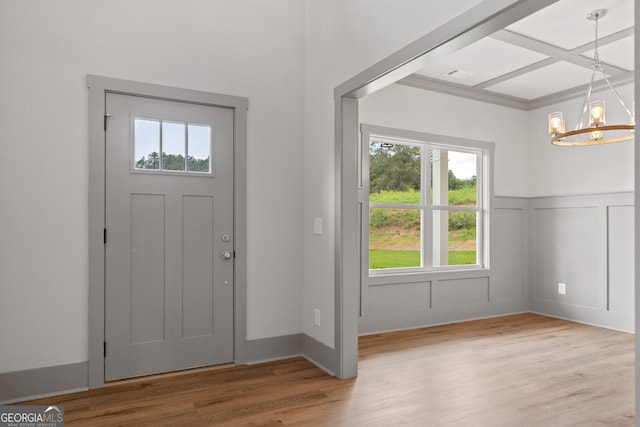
point(169, 201)
point(197, 272)
point(147, 267)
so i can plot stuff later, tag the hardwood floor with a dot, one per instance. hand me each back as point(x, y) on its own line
point(521, 370)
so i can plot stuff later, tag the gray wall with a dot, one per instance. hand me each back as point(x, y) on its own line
point(390, 303)
point(238, 47)
point(586, 242)
point(583, 241)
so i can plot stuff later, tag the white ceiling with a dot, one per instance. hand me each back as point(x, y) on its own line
point(539, 60)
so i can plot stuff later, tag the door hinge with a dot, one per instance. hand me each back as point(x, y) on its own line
point(104, 349)
point(106, 116)
point(234, 254)
point(104, 236)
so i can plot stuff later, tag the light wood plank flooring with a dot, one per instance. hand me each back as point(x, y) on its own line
point(513, 371)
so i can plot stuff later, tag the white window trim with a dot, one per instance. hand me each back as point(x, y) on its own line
point(428, 141)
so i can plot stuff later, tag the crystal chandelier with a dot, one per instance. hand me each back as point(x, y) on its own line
point(592, 128)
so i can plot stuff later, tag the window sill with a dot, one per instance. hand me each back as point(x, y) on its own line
point(387, 277)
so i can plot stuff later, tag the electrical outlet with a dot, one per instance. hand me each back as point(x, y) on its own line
point(562, 288)
point(316, 317)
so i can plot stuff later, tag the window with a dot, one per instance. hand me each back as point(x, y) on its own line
point(425, 201)
point(185, 147)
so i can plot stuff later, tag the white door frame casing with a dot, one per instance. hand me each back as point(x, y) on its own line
point(98, 88)
point(469, 27)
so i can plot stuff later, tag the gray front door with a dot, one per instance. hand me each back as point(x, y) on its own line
point(169, 243)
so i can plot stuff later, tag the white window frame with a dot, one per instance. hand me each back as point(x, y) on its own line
point(427, 142)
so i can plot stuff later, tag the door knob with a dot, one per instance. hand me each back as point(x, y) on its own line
point(226, 255)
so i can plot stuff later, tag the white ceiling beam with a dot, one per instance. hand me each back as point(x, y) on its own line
point(455, 89)
point(555, 54)
point(603, 41)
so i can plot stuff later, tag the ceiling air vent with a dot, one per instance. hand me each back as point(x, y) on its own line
point(459, 73)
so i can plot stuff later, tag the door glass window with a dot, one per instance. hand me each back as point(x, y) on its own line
point(147, 144)
point(171, 146)
point(199, 147)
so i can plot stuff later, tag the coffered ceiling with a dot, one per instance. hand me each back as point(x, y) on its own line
point(542, 59)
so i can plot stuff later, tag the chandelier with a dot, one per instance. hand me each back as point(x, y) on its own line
point(592, 128)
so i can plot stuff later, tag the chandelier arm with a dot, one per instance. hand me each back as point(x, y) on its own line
point(585, 105)
point(617, 96)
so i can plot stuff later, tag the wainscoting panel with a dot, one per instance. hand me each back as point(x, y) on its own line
point(621, 258)
point(455, 292)
point(400, 296)
point(508, 254)
point(585, 242)
point(569, 249)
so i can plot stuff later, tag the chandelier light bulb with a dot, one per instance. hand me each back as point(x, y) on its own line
point(597, 113)
point(556, 123)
